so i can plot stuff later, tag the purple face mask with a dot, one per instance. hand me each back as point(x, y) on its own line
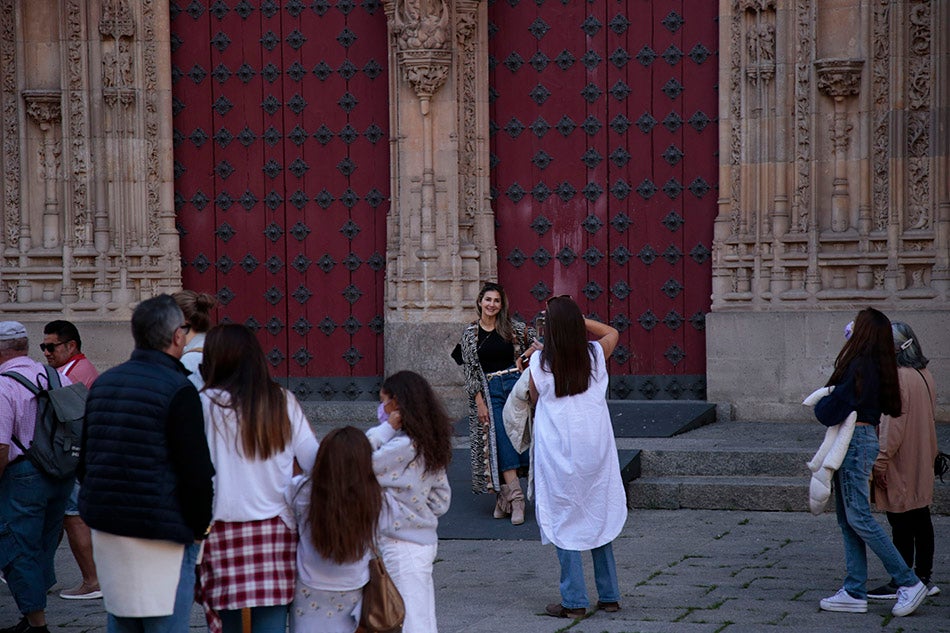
point(381, 414)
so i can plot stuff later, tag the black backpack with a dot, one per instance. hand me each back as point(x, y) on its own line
point(59, 420)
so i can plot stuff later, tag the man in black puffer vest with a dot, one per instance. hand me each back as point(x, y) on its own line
point(146, 477)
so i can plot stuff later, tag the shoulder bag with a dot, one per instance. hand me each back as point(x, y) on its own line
point(383, 608)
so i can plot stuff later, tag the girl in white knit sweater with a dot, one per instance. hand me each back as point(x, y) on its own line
point(412, 447)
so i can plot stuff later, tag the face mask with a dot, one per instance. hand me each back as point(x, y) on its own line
point(381, 414)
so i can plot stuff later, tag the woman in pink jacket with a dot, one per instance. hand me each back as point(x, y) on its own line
point(903, 471)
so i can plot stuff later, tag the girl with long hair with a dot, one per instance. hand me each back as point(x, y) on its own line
point(581, 503)
point(495, 349)
point(337, 510)
point(865, 381)
point(412, 446)
point(256, 431)
point(903, 471)
point(197, 307)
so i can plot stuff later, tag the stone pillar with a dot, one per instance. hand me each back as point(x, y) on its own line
point(85, 107)
point(841, 205)
point(440, 232)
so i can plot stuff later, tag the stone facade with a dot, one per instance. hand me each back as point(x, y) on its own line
point(834, 180)
point(834, 144)
point(85, 99)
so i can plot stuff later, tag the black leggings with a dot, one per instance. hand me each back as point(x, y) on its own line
point(913, 533)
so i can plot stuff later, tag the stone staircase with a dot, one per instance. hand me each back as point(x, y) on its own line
point(737, 466)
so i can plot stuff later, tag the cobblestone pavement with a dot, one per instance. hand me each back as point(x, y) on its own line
point(683, 571)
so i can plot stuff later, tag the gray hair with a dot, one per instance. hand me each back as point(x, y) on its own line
point(907, 347)
point(16, 345)
point(154, 322)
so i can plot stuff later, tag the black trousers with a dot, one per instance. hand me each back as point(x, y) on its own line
point(913, 534)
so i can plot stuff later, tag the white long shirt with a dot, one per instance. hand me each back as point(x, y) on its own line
point(253, 489)
point(580, 499)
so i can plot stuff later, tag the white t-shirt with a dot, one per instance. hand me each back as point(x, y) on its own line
point(580, 499)
point(253, 489)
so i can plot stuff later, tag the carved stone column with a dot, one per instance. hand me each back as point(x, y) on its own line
point(838, 79)
point(439, 242)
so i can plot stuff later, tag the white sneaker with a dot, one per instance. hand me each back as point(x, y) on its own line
point(844, 602)
point(909, 598)
point(932, 589)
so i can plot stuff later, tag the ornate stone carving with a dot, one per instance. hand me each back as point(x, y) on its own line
point(76, 123)
point(421, 32)
point(880, 94)
point(804, 44)
point(839, 78)
point(9, 108)
point(116, 20)
point(760, 42)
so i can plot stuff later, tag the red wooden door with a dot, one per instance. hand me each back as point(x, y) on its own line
point(281, 178)
point(604, 167)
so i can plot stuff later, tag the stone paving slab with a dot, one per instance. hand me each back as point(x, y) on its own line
point(682, 571)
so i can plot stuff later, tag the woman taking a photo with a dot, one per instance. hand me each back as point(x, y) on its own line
point(412, 446)
point(865, 381)
point(903, 471)
point(494, 351)
point(580, 499)
point(256, 430)
point(337, 509)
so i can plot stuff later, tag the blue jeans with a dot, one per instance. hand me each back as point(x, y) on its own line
point(573, 589)
point(31, 521)
point(858, 527)
point(180, 620)
point(499, 387)
point(263, 619)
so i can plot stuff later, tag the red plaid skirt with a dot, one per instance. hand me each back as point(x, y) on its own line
point(247, 564)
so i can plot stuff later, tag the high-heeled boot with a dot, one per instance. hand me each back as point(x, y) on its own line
point(502, 503)
point(516, 499)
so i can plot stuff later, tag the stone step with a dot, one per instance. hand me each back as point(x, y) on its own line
point(722, 463)
point(777, 494)
point(766, 493)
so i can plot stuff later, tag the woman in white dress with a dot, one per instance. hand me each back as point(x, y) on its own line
point(581, 502)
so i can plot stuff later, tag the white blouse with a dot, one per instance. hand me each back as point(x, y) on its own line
point(253, 489)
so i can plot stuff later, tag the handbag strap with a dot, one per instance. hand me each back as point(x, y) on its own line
point(929, 395)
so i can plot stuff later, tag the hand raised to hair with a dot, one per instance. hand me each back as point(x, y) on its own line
point(395, 420)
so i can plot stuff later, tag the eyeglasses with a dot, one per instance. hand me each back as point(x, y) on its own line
point(50, 347)
point(185, 328)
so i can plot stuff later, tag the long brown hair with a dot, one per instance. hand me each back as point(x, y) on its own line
point(345, 497)
point(234, 362)
point(872, 338)
point(424, 418)
point(567, 352)
point(503, 326)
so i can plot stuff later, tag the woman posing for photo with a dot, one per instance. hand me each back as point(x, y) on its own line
point(495, 349)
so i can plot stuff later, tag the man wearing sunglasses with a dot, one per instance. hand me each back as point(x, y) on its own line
point(62, 347)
